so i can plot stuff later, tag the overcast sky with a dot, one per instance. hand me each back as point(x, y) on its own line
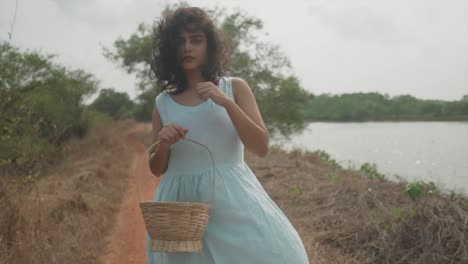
point(417, 47)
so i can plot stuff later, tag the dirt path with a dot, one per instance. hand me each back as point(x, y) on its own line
point(127, 242)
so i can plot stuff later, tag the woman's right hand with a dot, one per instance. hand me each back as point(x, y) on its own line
point(171, 133)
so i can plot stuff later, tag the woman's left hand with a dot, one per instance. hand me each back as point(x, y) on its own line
point(209, 90)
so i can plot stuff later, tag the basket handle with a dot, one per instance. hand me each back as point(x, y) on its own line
point(156, 143)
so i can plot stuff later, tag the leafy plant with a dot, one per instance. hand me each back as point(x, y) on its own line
point(371, 171)
point(414, 190)
point(327, 159)
point(419, 188)
point(40, 108)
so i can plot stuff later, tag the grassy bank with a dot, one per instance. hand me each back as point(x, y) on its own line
point(64, 216)
point(356, 216)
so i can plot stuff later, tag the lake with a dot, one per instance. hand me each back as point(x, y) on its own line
point(427, 151)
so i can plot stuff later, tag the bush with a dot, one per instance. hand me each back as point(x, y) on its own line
point(41, 108)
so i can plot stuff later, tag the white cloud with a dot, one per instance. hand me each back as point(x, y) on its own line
point(354, 21)
point(108, 13)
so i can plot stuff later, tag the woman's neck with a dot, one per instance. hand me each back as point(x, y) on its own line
point(193, 78)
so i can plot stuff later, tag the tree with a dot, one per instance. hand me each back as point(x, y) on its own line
point(278, 92)
point(115, 104)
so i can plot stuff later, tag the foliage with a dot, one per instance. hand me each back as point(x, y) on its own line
point(327, 159)
point(414, 190)
point(371, 171)
point(376, 107)
point(41, 108)
point(115, 104)
point(145, 105)
point(418, 188)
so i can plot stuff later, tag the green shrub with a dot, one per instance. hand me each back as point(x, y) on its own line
point(419, 188)
point(371, 171)
point(41, 108)
point(326, 158)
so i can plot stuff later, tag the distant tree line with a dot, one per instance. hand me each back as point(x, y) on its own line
point(377, 107)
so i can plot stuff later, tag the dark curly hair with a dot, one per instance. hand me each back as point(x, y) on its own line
point(164, 63)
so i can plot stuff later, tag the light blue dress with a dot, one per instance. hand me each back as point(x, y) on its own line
point(246, 226)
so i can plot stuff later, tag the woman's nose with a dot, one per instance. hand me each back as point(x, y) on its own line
point(187, 46)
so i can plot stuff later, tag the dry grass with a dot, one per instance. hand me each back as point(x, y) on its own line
point(344, 217)
point(341, 216)
point(64, 216)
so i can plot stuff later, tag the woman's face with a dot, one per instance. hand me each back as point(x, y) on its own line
point(191, 47)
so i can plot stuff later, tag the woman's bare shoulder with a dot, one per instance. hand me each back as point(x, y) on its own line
point(239, 84)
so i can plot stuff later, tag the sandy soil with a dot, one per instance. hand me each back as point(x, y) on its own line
point(127, 242)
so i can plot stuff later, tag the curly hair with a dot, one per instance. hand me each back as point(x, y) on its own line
point(164, 63)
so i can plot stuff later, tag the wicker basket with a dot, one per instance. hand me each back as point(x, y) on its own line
point(177, 226)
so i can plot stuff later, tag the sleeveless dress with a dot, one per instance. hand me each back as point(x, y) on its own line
point(245, 225)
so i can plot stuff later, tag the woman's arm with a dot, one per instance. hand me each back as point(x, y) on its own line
point(246, 117)
point(158, 161)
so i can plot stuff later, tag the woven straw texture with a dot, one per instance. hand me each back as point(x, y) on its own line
point(176, 226)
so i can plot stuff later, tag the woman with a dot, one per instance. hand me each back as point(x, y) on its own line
point(200, 102)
